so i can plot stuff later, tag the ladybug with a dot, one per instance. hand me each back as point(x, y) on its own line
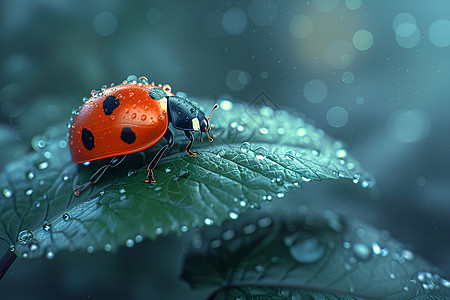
point(129, 118)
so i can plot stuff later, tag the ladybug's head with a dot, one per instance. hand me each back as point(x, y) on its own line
point(204, 122)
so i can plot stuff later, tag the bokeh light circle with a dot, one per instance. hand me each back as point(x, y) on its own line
point(339, 54)
point(407, 34)
point(301, 26)
point(105, 23)
point(315, 91)
point(363, 40)
point(237, 79)
point(153, 16)
point(439, 33)
point(409, 126)
point(263, 12)
point(348, 77)
point(234, 21)
point(325, 5)
point(353, 4)
point(337, 116)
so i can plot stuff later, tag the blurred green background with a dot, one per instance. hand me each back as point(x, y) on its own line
point(374, 74)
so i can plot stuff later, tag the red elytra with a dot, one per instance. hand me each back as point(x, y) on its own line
point(144, 116)
point(129, 118)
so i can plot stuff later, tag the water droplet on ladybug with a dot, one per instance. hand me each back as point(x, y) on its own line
point(113, 117)
point(133, 116)
point(143, 117)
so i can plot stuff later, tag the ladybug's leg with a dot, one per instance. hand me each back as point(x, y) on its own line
point(189, 146)
point(169, 138)
point(115, 161)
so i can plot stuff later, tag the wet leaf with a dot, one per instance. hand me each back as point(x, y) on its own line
point(297, 254)
point(257, 155)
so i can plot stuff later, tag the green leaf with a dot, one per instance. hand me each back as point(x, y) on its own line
point(257, 155)
point(296, 254)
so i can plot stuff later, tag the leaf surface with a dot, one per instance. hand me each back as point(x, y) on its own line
point(298, 254)
point(258, 154)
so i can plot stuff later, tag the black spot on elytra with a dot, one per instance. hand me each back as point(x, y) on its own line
point(127, 135)
point(110, 104)
point(87, 138)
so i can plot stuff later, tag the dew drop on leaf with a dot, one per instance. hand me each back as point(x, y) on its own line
point(29, 192)
point(30, 175)
point(43, 165)
point(107, 247)
point(233, 215)
point(361, 251)
point(307, 251)
point(66, 216)
point(50, 254)
point(46, 226)
point(159, 230)
point(129, 243)
point(7, 193)
point(208, 221)
point(260, 152)
point(245, 147)
point(24, 236)
point(290, 155)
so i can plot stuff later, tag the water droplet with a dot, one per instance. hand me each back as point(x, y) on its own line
point(131, 79)
point(25, 254)
point(30, 175)
point(361, 251)
point(232, 215)
point(143, 117)
point(50, 254)
point(90, 249)
point(341, 153)
point(133, 116)
point(216, 243)
point(290, 155)
point(7, 193)
point(221, 153)
point(38, 204)
point(24, 236)
point(260, 152)
point(86, 163)
point(259, 268)
point(46, 226)
point(280, 195)
point(29, 192)
point(242, 203)
point(33, 246)
point(66, 216)
point(392, 275)
point(131, 173)
point(43, 165)
point(245, 147)
point(129, 243)
point(209, 222)
point(122, 190)
point(65, 177)
point(12, 248)
point(347, 245)
point(376, 248)
point(264, 130)
point(159, 230)
point(228, 235)
point(307, 251)
point(184, 228)
point(264, 222)
point(408, 255)
point(108, 247)
point(249, 229)
point(405, 288)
